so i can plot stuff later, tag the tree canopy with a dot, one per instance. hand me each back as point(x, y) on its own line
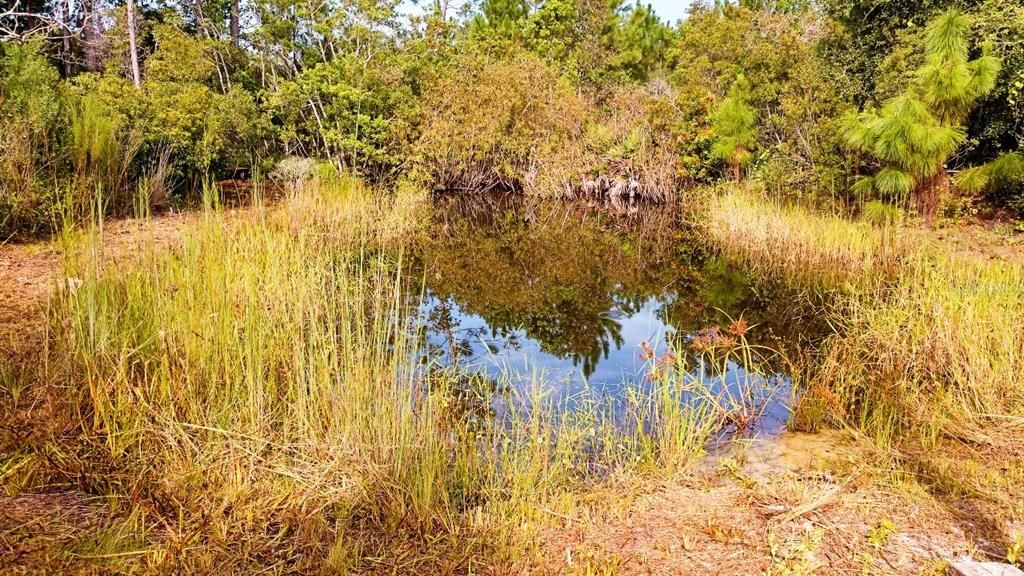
point(552, 97)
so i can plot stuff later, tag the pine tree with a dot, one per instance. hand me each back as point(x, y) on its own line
point(950, 84)
point(505, 17)
point(915, 133)
point(734, 124)
point(908, 140)
point(1007, 170)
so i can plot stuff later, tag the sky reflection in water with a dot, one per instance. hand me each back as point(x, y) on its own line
point(571, 291)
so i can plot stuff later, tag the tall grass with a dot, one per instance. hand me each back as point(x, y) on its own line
point(819, 249)
point(36, 195)
point(929, 339)
point(256, 387)
point(939, 350)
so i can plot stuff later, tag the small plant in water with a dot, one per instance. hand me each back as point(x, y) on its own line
point(723, 374)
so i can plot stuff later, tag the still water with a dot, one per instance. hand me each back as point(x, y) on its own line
point(577, 295)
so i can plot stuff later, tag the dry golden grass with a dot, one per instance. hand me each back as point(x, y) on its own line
point(803, 245)
point(925, 335)
point(927, 355)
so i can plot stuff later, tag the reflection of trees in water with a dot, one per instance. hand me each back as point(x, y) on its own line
point(784, 319)
point(456, 341)
point(565, 272)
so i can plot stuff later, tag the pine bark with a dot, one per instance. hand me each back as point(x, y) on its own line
point(234, 22)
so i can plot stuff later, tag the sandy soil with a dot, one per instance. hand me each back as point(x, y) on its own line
point(789, 522)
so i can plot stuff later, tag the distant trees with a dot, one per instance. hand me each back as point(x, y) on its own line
point(735, 129)
point(598, 40)
point(505, 17)
point(551, 96)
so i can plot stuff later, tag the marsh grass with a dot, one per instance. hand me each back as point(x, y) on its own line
point(807, 247)
point(248, 399)
point(929, 340)
point(940, 350)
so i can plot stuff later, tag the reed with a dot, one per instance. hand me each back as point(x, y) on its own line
point(825, 250)
point(929, 338)
point(940, 350)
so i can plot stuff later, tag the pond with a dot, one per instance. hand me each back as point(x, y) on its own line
point(586, 296)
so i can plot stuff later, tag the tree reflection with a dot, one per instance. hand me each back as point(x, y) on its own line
point(560, 274)
point(564, 275)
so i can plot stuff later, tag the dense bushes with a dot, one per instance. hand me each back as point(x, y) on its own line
point(490, 118)
point(97, 137)
point(30, 114)
point(515, 122)
point(561, 97)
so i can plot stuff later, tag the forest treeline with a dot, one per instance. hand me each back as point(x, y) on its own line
point(110, 105)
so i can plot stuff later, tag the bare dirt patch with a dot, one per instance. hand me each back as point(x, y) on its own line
point(786, 524)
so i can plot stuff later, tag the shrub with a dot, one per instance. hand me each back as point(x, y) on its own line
point(513, 122)
point(490, 116)
point(626, 149)
point(30, 119)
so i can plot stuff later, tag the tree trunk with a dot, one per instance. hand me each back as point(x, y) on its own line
point(65, 16)
point(737, 173)
point(92, 36)
point(133, 46)
point(929, 195)
point(233, 25)
point(197, 8)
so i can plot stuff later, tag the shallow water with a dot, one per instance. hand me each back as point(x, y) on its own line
point(572, 294)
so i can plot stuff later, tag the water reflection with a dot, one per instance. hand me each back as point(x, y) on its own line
point(576, 290)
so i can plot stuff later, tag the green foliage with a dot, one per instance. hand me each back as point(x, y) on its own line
point(205, 127)
point(101, 149)
point(735, 126)
point(554, 31)
point(503, 17)
point(359, 113)
point(640, 44)
point(29, 86)
point(910, 142)
point(950, 84)
point(30, 121)
point(1004, 173)
point(879, 213)
point(550, 96)
point(490, 117)
point(914, 134)
point(796, 99)
point(876, 48)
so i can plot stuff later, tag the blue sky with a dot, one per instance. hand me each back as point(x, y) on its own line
point(667, 10)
